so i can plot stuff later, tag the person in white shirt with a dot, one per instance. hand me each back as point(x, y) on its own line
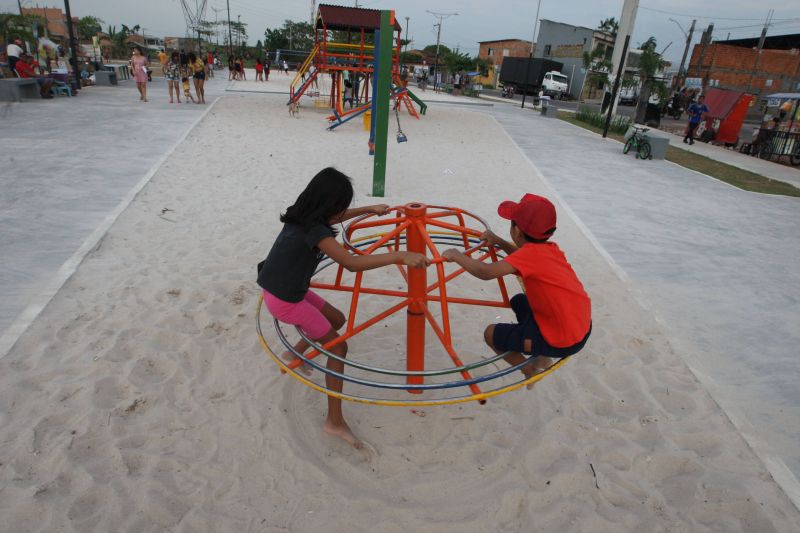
point(14, 51)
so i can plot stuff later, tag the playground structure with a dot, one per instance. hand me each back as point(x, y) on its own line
point(419, 228)
point(351, 66)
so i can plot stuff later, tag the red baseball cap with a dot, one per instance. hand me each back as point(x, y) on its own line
point(534, 215)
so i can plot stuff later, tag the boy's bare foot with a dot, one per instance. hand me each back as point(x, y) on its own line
point(539, 365)
point(343, 432)
point(304, 369)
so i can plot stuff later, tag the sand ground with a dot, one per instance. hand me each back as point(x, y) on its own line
point(140, 400)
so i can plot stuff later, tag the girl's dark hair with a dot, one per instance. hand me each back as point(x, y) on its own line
point(174, 55)
point(192, 57)
point(328, 193)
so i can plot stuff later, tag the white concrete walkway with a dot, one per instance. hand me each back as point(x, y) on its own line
point(66, 163)
point(719, 265)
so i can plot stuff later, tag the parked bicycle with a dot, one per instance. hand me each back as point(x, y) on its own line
point(639, 143)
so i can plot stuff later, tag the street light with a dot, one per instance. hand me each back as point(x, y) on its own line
point(440, 17)
point(530, 59)
point(407, 35)
point(681, 73)
point(681, 27)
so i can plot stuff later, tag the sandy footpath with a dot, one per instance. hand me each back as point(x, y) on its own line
point(141, 400)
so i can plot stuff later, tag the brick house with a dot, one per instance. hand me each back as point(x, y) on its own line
point(495, 51)
point(737, 64)
point(56, 22)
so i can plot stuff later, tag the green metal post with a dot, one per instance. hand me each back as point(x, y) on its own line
point(383, 80)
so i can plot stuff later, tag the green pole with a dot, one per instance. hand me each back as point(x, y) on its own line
point(383, 79)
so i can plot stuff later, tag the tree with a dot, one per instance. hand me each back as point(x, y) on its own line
point(650, 63)
point(411, 57)
point(89, 27)
point(597, 68)
point(239, 33)
point(275, 39)
point(431, 49)
point(119, 39)
point(610, 25)
point(18, 26)
point(296, 36)
point(455, 61)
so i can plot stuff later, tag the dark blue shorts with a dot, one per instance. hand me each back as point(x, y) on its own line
point(512, 337)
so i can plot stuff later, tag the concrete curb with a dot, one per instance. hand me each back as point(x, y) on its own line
point(10, 337)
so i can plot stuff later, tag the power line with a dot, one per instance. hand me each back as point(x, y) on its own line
point(440, 17)
point(699, 16)
point(786, 21)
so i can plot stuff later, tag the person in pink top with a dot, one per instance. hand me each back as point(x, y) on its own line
point(139, 65)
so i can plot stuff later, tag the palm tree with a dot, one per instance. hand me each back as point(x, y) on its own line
point(89, 27)
point(650, 62)
point(610, 25)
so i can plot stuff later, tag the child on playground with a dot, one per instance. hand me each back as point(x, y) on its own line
point(307, 236)
point(554, 315)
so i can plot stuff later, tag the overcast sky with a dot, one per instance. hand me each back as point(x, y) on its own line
point(477, 20)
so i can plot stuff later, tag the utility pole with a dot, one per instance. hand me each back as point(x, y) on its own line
point(313, 12)
point(704, 41)
point(216, 25)
point(758, 53)
point(440, 17)
point(73, 57)
point(230, 36)
point(533, 44)
point(626, 23)
point(239, 32)
point(19, 3)
point(407, 34)
point(681, 72)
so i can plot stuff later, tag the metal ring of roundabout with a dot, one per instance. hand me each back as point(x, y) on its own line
point(410, 229)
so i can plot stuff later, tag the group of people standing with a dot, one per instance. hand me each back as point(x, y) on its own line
point(178, 69)
point(262, 69)
point(236, 68)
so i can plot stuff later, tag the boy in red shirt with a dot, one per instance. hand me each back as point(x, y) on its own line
point(554, 316)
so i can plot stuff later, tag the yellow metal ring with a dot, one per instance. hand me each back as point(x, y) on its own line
point(397, 403)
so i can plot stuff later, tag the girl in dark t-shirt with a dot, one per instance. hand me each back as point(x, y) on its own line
point(308, 236)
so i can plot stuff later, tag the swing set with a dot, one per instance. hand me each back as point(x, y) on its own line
point(345, 55)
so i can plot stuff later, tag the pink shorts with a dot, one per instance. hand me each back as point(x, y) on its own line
point(307, 313)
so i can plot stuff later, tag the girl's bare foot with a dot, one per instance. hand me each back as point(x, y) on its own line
point(304, 369)
point(342, 431)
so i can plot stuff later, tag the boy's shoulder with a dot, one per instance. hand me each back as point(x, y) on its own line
point(536, 248)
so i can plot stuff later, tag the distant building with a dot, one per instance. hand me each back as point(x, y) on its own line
point(180, 43)
point(147, 42)
point(736, 64)
point(566, 44)
point(56, 23)
point(495, 51)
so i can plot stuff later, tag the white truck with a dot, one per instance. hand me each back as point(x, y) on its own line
point(555, 84)
point(530, 76)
